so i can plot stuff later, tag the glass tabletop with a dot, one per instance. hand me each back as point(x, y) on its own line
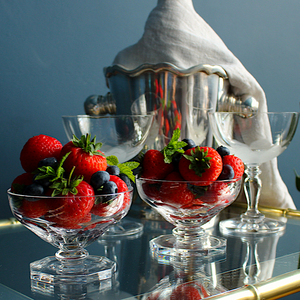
point(248, 262)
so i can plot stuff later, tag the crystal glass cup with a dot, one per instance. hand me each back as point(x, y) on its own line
point(255, 137)
point(121, 135)
point(72, 262)
point(188, 238)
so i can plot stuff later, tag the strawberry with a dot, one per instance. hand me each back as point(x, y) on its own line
point(158, 164)
point(20, 182)
point(154, 166)
point(34, 208)
point(203, 291)
point(154, 296)
point(38, 148)
point(71, 210)
point(122, 187)
point(85, 155)
point(201, 164)
point(236, 163)
point(217, 192)
point(29, 207)
point(75, 223)
point(185, 292)
point(176, 191)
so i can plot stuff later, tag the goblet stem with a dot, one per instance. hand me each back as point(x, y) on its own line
point(252, 221)
point(71, 260)
point(252, 186)
point(188, 235)
point(251, 266)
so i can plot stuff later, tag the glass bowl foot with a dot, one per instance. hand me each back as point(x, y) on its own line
point(51, 271)
point(238, 227)
point(167, 248)
point(123, 228)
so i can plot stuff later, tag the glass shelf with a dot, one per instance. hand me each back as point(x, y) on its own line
point(265, 265)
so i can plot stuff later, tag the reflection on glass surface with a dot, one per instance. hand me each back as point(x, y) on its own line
point(137, 273)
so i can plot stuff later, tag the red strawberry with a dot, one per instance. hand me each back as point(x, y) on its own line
point(114, 205)
point(35, 208)
point(185, 292)
point(154, 166)
point(71, 210)
point(175, 191)
point(85, 156)
point(75, 224)
point(217, 192)
point(38, 148)
point(201, 164)
point(29, 207)
point(122, 187)
point(151, 189)
point(202, 290)
point(197, 203)
point(236, 163)
point(20, 182)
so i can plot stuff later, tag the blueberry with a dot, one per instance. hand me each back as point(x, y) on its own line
point(190, 144)
point(113, 170)
point(227, 173)
point(109, 188)
point(125, 179)
point(48, 161)
point(98, 179)
point(34, 189)
point(223, 151)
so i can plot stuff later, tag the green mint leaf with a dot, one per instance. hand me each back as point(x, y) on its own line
point(130, 164)
point(175, 136)
point(173, 147)
point(112, 160)
point(127, 167)
point(128, 172)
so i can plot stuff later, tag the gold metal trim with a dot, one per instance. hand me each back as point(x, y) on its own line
point(8, 222)
point(275, 288)
point(283, 212)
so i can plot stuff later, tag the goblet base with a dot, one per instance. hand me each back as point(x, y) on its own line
point(240, 227)
point(167, 248)
point(50, 270)
point(123, 228)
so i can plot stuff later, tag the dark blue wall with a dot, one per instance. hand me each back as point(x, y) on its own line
point(53, 53)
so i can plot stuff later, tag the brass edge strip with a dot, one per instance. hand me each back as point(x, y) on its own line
point(8, 222)
point(284, 212)
point(275, 288)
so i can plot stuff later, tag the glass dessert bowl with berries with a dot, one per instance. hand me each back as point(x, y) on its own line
point(188, 185)
point(67, 197)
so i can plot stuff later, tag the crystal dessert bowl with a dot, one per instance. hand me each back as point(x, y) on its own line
point(188, 205)
point(72, 262)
